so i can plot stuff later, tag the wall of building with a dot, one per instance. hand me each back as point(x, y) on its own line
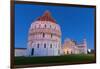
point(51, 39)
point(70, 47)
point(20, 52)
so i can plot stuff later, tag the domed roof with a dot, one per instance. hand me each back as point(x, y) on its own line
point(46, 17)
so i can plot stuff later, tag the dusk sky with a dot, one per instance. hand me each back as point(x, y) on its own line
point(75, 22)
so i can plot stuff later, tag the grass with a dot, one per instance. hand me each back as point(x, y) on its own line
point(54, 59)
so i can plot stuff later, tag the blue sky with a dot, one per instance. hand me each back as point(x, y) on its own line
point(76, 22)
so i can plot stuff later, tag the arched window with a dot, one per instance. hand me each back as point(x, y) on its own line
point(37, 45)
point(44, 45)
point(67, 52)
point(45, 25)
point(50, 45)
point(43, 35)
point(51, 35)
point(32, 52)
point(71, 52)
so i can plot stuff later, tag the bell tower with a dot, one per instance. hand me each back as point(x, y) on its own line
point(85, 45)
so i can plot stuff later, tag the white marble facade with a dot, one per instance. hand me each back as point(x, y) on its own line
point(72, 47)
point(44, 38)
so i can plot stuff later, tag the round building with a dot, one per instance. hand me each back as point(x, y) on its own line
point(44, 37)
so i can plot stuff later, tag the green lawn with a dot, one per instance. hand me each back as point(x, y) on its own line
point(54, 59)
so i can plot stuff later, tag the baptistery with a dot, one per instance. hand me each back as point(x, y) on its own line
point(44, 36)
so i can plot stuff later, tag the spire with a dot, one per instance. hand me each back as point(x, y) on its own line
point(46, 17)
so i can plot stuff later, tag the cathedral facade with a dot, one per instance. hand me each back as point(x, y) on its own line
point(72, 47)
point(44, 39)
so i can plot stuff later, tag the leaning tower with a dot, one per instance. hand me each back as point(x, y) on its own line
point(44, 37)
point(85, 46)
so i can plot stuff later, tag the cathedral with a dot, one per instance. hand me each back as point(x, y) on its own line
point(71, 47)
point(44, 39)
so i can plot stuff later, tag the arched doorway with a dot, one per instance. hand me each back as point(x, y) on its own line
point(32, 52)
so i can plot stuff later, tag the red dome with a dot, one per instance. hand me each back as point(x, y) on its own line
point(46, 17)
